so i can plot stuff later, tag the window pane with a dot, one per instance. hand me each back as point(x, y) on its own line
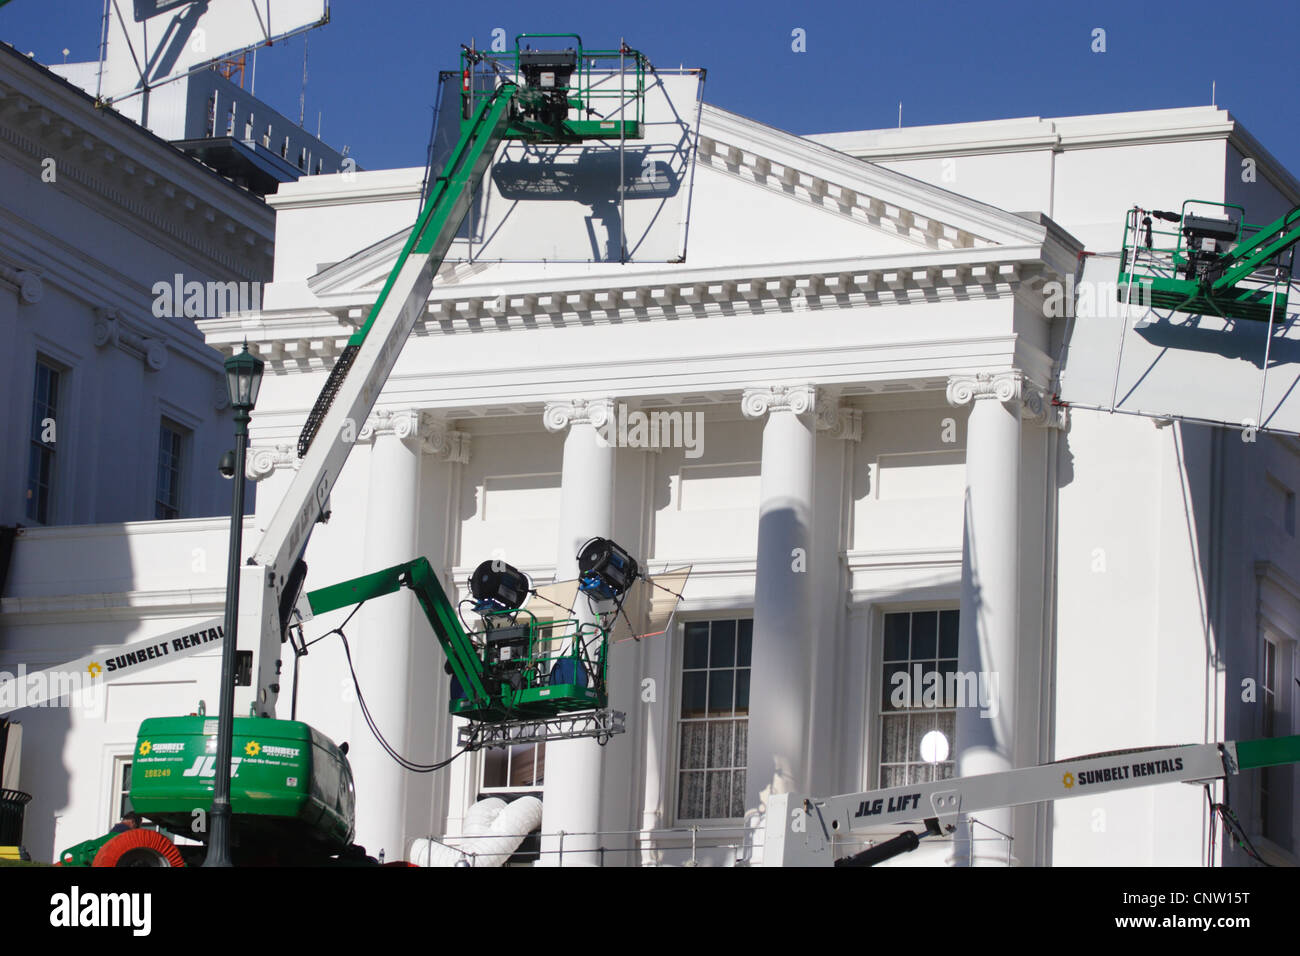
point(718, 803)
point(925, 634)
point(742, 691)
point(742, 743)
point(697, 645)
point(896, 692)
point(723, 645)
point(720, 747)
point(721, 693)
point(694, 688)
point(922, 723)
point(893, 738)
point(521, 765)
point(738, 794)
point(745, 641)
point(896, 636)
point(690, 796)
point(495, 764)
point(694, 742)
point(947, 725)
point(893, 776)
point(948, 621)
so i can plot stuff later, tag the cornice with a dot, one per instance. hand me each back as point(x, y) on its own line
point(52, 103)
point(309, 338)
point(120, 178)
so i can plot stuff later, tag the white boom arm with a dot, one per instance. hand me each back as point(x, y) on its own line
point(801, 831)
point(263, 580)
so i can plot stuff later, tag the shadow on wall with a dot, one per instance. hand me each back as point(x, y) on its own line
point(593, 180)
point(73, 752)
point(779, 677)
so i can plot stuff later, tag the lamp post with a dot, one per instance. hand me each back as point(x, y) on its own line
point(243, 379)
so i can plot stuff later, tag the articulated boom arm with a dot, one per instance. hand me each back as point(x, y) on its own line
point(516, 668)
point(1248, 256)
point(424, 584)
point(801, 831)
point(356, 381)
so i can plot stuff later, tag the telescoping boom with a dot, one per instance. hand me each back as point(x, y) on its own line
point(803, 831)
point(539, 96)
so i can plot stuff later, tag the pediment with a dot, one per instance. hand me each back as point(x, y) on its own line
point(757, 196)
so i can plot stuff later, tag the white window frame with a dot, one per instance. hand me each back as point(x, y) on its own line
point(677, 664)
point(874, 736)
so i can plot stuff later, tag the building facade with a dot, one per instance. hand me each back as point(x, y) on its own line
point(868, 477)
point(116, 399)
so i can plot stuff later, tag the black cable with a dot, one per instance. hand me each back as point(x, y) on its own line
point(1232, 827)
point(401, 761)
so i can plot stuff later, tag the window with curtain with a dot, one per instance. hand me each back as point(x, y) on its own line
point(915, 644)
point(713, 719)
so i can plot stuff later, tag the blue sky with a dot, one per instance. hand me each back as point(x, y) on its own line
point(372, 70)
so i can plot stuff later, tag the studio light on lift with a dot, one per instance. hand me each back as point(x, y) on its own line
point(497, 586)
point(605, 570)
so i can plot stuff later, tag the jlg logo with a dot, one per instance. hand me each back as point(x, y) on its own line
point(207, 767)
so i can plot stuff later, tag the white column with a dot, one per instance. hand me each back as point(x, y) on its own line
point(572, 786)
point(381, 634)
point(783, 610)
point(990, 598)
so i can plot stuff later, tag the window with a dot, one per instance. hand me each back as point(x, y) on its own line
point(1268, 779)
point(918, 643)
point(40, 460)
point(714, 720)
point(121, 804)
point(519, 767)
point(171, 447)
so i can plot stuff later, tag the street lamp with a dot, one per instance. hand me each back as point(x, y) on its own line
point(243, 379)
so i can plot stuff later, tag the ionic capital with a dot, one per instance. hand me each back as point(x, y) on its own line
point(596, 412)
point(797, 399)
point(1005, 386)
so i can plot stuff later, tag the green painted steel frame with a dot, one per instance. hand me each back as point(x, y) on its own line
point(584, 93)
point(1222, 297)
point(480, 701)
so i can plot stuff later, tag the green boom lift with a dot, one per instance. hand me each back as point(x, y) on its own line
point(514, 678)
point(1214, 263)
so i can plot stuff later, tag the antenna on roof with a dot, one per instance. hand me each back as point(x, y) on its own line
point(900, 114)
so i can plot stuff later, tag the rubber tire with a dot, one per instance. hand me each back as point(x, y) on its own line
point(112, 852)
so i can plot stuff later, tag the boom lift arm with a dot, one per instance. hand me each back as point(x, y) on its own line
point(514, 666)
point(534, 106)
point(801, 831)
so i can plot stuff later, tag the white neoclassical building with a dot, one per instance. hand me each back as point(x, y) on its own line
point(877, 482)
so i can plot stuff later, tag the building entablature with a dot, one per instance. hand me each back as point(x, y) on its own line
point(114, 165)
